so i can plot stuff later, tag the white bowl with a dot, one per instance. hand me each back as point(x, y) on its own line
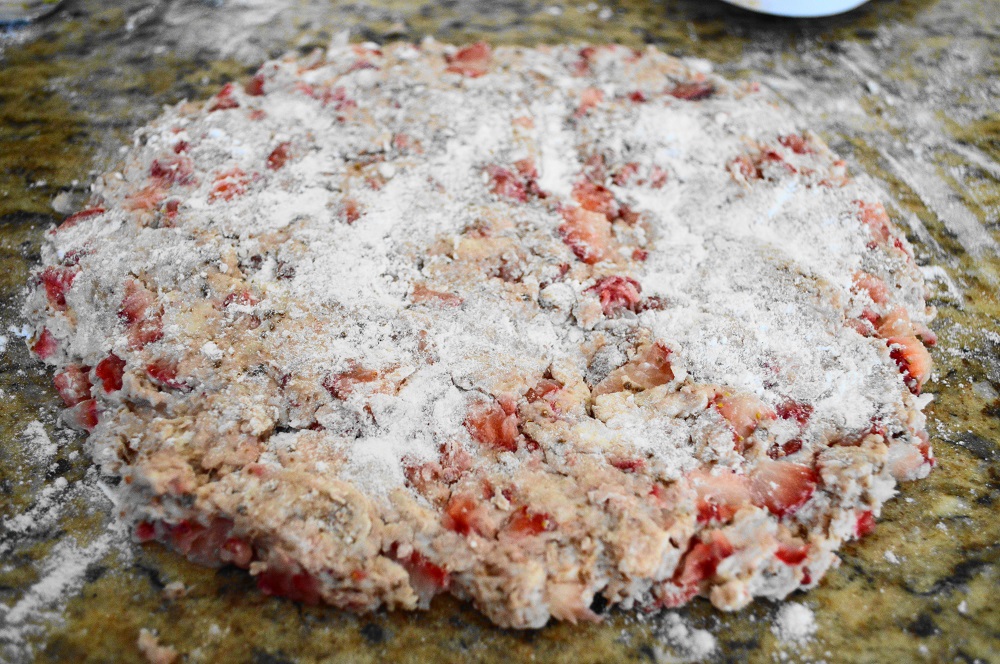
point(798, 8)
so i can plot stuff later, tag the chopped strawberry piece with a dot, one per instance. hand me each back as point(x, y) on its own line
point(796, 143)
point(242, 297)
point(543, 389)
point(164, 372)
point(875, 287)
point(791, 555)
point(57, 280)
point(596, 198)
point(82, 416)
point(255, 86)
point(865, 524)
point(224, 100)
point(45, 346)
point(110, 372)
point(582, 66)
point(491, 425)
point(146, 198)
point(461, 515)
point(782, 487)
point(702, 560)
point(143, 321)
point(73, 384)
point(692, 90)
point(426, 578)
point(423, 294)
point(649, 368)
point(625, 173)
point(874, 216)
point(744, 412)
point(785, 449)
point(617, 293)
point(524, 522)
point(507, 184)
point(742, 167)
point(72, 220)
point(296, 586)
point(637, 97)
point(145, 531)
point(641, 255)
point(913, 360)
point(719, 496)
point(627, 465)
point(896, 323)
point(589, 98)
point(172, 170)
point(472, 61)
point(352, 210)
point(237, 552)
point(181, 147)
point(340, 385)
point(229, 184)
point(279, 156)
point(587, 233)
point(794, 410)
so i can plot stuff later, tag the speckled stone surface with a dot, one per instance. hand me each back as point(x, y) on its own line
point(906, 90)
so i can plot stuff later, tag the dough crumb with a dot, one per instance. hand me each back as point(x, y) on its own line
point(151, 649)
point(174, 590)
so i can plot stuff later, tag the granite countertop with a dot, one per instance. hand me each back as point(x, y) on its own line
point(905, 89)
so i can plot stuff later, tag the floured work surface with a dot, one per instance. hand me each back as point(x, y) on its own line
point(644, 293)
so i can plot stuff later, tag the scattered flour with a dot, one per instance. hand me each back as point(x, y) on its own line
point(795, 624)
point(691, 643)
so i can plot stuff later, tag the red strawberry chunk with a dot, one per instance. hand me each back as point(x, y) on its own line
point(796, 143)
point(172, 170)
point(543, 389)
point(782, 487)
point(296, 586)
point(649, 368)
point(913, 360)
point(224, 99)
point(340, 385)
point(524, 522)
point(794, 410)
point(507, 184)
point(719, 496)
point(146, 198)
point(73, 384)
point(491, 425)
point(617, 293)
point(181, 146)
point(626, 173)
point(596, 198)
point(702, 559)
point(229, 184)
point(627, 465)
point(145, 531)
point(164, 372)
point(462, 515)
point(865, 524)
point(237, 552)
point(57, 280)
point(692, 90)
point(791, 555)
point(110, 372)
point(279, 156)
point(744, 168)
point(82, 416)
point(587, 233)
point(472, 61)
point(874, 216)
point(255, 86)
point(875, 287)
point(589, 98)
point(45, 346)
point(744, 412)
point(72, 220)
point(143, 321)
point(426, 578)
point(785, 449)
